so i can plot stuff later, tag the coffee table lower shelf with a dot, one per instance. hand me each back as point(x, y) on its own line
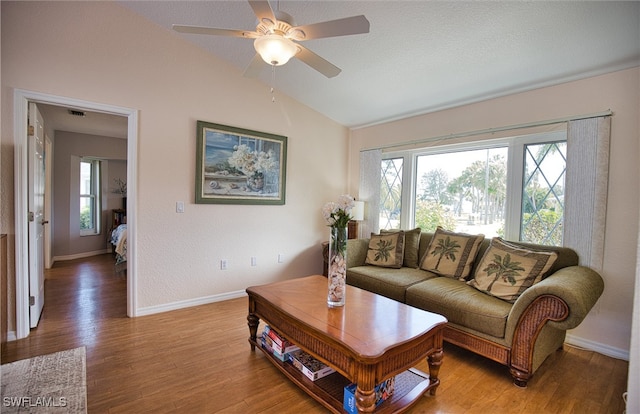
point(410, 385)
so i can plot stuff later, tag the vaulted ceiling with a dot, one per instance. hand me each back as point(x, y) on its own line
point(419, 56)
point(423, 56)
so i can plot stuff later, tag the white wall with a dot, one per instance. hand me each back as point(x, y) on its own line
point(101, 52)
point(608, 326)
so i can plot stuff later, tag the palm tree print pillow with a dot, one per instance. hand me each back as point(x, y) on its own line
point(507, 270)
point(411, 246)
point(451, 254)
point(386, 250)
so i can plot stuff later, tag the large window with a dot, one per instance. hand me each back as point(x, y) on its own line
point(462, 190)
point(513, 188)
point(89, 197)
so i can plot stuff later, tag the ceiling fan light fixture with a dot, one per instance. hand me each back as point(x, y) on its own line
point(275, 49)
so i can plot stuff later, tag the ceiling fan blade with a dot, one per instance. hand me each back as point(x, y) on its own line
point(214, 31)
point(323, 66)
point(254, 68)
point(263, 10)
point(341, 27)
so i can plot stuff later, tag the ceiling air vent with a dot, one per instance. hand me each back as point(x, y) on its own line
point(76, 113)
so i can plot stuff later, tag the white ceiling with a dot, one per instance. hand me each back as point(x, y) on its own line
point(424, 56)
point(58, 118)
point(419, 57)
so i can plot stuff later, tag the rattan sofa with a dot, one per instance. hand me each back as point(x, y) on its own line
point(519, 335)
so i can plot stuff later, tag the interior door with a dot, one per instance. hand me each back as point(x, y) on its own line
point(36, 173)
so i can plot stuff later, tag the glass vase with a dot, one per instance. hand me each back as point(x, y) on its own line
point(255, 182)
point(337, 271)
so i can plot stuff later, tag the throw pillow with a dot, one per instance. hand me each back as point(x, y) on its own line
point(451, 254)
point(386, 250)
point(507, 270)
point(411, 245)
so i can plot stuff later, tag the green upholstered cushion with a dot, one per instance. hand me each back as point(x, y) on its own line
point(386, 281)
point(460, 304)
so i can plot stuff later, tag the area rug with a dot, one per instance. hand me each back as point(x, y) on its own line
point(53, 383)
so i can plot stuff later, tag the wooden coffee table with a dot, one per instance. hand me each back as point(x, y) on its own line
point(368, 340)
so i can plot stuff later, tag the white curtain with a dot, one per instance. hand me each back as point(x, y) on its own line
point(586, 188)
point(369, 192)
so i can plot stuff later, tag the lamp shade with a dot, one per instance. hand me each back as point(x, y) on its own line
point(357, 212)
point(275, 49)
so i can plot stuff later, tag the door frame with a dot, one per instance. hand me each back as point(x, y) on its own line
point(48, 183)
point(20, 107)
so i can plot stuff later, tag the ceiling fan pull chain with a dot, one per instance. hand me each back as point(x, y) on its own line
point(273, 82)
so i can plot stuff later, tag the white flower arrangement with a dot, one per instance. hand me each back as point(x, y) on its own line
point(252, 163)
point(338, 214)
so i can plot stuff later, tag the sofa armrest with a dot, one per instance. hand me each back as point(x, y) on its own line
point(562, 301)
point(357, 252)
point(578, 287)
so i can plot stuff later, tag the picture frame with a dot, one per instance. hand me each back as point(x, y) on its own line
point(239, 166)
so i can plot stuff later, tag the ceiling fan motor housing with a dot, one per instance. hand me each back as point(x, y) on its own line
point(284, 26)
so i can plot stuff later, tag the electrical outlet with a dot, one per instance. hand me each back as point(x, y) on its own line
point(223, 265)
point(254, 261)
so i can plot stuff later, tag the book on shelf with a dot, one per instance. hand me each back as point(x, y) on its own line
point(278, 342)
point(384, 390)
point(268, 345)
point(309, 366)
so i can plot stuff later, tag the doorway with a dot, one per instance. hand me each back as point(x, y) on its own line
point(21, 101)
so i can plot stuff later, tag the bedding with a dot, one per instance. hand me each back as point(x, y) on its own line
point(119, 240)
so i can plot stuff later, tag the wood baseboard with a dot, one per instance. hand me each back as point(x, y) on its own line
point(79, 255)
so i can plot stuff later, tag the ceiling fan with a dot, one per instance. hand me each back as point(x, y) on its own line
point(276, 37)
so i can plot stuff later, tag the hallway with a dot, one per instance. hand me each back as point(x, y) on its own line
point(82, 297)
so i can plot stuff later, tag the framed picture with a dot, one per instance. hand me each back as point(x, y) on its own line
point(239, 166)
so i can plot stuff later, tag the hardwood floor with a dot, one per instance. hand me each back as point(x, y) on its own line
point(198, 360)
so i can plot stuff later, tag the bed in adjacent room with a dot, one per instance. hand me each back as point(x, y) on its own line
point(119, 241)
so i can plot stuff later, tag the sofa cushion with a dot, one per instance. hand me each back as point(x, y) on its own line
point(451, 254)
point(461, 304)
point(425, 239)
point(411, 246)
point(506, 270)
point(386, 250)
point(384, 281)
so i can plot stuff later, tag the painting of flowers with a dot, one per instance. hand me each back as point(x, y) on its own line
point(239, 166)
